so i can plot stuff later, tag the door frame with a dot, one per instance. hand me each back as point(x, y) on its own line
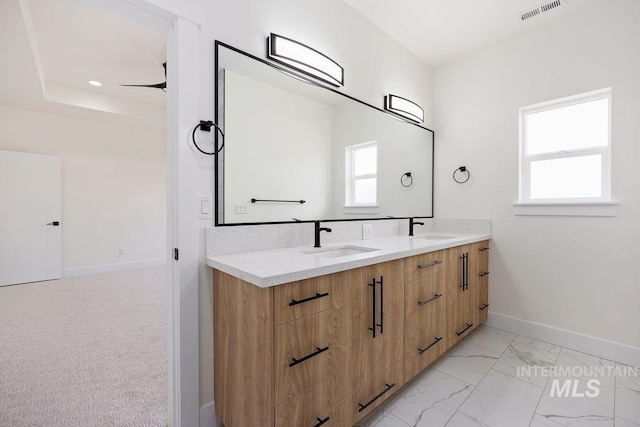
point(181, 22)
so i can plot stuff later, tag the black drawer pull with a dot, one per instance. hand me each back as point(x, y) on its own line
point(363, 407)
point(309, 356)
point(469, 325)
point(420, 267)
point(435, 297)
point(483, 307)
point(320, 422)
point(483, 249)
point(316, 296)
point(484, 273)
point(422, 350)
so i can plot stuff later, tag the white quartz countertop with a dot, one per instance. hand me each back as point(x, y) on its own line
point(278, 266)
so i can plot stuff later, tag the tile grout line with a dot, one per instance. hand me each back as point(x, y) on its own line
point(545, 388)
point(484, 376)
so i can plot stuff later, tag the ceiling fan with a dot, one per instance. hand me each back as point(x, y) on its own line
point(162, 85)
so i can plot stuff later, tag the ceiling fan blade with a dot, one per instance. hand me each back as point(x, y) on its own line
point(162, 85)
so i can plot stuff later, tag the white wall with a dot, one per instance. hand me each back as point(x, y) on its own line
point(402, 147)
point(580, 274)
point(113, 185)
point(374, 64)
point(278, 147)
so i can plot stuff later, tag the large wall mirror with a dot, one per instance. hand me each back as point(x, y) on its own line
point(298, 151)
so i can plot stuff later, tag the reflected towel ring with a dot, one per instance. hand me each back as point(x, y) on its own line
point(461, 169)
point(408, 175)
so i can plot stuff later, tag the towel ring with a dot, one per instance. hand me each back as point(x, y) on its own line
point(462, 169)
point(402, 180)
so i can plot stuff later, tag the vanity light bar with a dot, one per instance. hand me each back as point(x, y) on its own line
point(404, 108)
point(304, 59)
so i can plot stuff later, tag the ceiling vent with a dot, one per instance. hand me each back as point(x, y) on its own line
point(543, 8)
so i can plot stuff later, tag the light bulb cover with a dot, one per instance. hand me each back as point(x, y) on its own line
point(403, 107)
point(304, 59)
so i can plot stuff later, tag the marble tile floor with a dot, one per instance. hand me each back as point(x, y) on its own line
point(484, 382)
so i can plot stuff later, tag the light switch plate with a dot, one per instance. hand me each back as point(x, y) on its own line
point(205, 209)
point(367, 231)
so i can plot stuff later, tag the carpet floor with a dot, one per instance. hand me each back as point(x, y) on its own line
point(85, 351)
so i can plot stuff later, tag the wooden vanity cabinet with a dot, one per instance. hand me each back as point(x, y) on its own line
point(469, 289)
point(329, 350)
point(272, 352)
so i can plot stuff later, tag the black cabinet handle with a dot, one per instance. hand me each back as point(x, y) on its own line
point(422, 350)
point(433, 298)
point(483, 307)
point(308, 356)
point(464, 330)
point(465, 271)
point(373, 311)
point(316, 296)
point(320, 422)
point(483, 249)
point(381, 283)
point(420, 267)
point(484, 273)
point(363, 407)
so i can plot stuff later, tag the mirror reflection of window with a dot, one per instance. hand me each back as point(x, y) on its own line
point(361, 174)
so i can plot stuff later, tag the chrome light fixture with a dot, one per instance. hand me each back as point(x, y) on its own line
point(403, 107)
point(304, 59)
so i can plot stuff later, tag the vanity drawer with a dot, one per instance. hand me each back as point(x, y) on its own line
point(424, 344)
point(362, 402)
point(482, 300)
point(308, 409)
point(424, 265)
point(302, 298)
point(461, 328)
point(302, 354)
point(424, 299)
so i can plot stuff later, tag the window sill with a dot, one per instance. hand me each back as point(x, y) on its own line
point(566, 209)
point(361, 210)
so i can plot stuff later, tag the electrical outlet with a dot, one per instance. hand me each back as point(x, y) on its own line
point(240, 208)
point(367, 231)
point(122, 251)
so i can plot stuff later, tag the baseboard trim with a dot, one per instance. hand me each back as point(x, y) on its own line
point(109, 268)
point(586, 344)
point(208, 415)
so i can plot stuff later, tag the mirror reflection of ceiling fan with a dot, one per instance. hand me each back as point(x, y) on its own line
point(162, 85)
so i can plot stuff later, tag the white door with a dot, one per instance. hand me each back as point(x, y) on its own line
point(30, 218)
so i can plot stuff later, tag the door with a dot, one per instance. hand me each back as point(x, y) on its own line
point(388, 344)
point(352, 326)
point(30, 208)
point(459, 295)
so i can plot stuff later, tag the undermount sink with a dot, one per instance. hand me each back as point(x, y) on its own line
point(339, 251)
point(435, 237)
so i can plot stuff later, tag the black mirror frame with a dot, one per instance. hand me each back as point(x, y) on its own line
point(217, 106)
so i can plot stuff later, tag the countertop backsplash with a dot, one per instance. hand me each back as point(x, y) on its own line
point(229, 240)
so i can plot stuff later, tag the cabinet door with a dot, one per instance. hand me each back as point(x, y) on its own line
point(459, 296)
point(388, 342)
point(352, 340)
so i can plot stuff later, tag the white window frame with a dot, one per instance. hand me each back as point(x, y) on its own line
point(351, 178)
point(526, 160)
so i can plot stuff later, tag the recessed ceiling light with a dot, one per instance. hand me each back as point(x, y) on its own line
point(94, 83)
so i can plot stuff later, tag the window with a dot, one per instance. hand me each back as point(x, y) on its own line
point(565, 148)
point(361, 171)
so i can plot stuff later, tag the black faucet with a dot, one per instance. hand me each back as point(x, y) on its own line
point(412, 223)
point(318, 229)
